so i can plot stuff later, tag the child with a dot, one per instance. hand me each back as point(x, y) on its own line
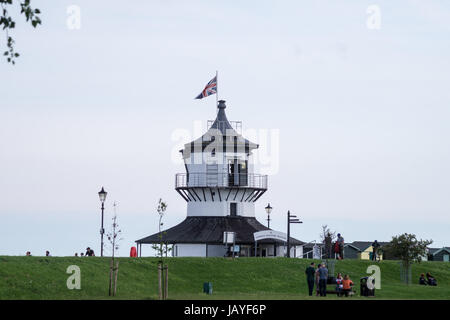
point(347, 285)
point(339, 285)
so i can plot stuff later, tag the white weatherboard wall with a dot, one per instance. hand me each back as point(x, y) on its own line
point(190, 250)
point(219, 208)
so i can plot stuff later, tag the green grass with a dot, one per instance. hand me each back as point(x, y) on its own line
point(242, 278)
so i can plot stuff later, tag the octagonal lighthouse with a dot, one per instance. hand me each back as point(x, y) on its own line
point(220, 189)
point(219, 179)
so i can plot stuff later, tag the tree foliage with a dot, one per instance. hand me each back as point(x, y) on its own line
point(327, 236)
point(407, 248)
point(7, 23)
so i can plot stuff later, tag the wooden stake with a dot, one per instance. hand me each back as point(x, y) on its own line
point(160, 281)
point(115, 280)
point(110, 277)
point(166, 282)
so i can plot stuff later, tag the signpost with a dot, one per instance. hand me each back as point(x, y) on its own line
point(290, 219)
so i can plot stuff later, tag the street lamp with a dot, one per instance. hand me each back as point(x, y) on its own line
point(102, 195)
point(268, 210)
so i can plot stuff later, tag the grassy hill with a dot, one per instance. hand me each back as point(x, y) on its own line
point(242, 278)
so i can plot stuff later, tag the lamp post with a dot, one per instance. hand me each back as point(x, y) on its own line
point(268, 210)
point(290, 219)
point(102, 195)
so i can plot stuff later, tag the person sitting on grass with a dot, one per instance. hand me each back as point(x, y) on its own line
point(422, 280)
point(347, 285)
point(431, 280)
point(339, 285)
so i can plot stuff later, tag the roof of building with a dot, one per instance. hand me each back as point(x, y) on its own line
point(352, 246)
point(210, 230)
point(435, 251)
point(220, 134)
point(363, 245)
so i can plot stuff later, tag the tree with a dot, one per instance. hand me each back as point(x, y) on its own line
point(113, 238)
point(161, 249)
point(408, 249)
point(8, 23)
point(327, 236)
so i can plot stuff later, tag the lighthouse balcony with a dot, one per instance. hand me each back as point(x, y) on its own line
point(208, 180)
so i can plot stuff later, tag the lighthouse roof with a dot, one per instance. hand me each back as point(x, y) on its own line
point(210, 230)
point(220, 133)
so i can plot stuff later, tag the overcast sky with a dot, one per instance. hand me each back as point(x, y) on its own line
point(353, 119)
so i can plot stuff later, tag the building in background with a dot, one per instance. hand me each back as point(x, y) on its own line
point(436, 254)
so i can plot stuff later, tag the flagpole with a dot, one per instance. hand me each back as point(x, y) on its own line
point(217, 91)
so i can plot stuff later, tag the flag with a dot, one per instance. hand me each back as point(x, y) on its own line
point(210, 89)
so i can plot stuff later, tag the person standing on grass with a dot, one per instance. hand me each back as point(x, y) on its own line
point(310, 277)
point(341, 243)
point(323, 277)
point(375, 246)
point(317, 279)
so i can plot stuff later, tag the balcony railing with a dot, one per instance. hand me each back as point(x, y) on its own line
point(204, 180)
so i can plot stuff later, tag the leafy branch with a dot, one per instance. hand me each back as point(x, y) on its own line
point(8, 23)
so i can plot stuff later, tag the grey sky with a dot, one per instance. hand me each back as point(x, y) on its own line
point(363, 115)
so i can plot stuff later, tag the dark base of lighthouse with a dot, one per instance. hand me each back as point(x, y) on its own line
point(203, 237)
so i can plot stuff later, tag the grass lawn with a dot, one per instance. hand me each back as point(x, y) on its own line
point(242, 278)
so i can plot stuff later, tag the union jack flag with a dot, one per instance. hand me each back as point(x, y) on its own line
point(210, 89)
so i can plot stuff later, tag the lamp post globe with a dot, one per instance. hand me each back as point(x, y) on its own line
point(102, 195)
point(268, 210)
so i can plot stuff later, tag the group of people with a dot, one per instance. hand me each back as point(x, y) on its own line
point(430, 280)
point(89, 253)
point(319, 277)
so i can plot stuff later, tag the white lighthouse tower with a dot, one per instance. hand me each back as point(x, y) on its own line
point(220, 188)
point(219, 179)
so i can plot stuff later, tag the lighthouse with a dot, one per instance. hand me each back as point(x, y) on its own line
point(220, 188)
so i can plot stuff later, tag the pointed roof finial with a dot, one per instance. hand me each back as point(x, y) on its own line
point(221, 104)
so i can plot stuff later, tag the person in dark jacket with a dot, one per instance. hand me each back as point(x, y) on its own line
point(340, 240)
point(422, 280)
point(310, 277)
point(375, 246)
point(89, 252)
point(431, 280)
